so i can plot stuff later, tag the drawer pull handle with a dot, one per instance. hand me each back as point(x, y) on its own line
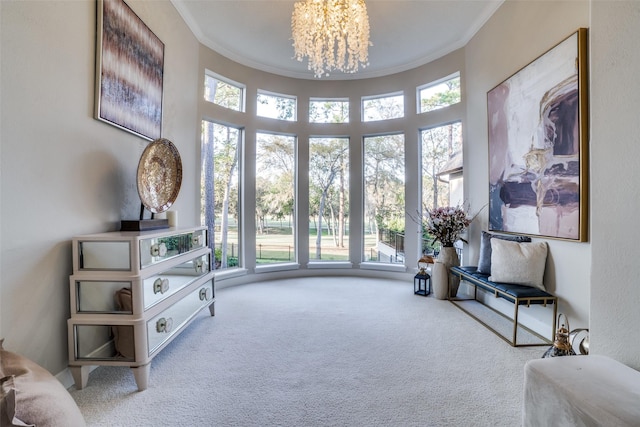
point(159, 249)
point(164, 325)
point(160, 285)
point(196, 239)
point(204, 294)
point(198, 264)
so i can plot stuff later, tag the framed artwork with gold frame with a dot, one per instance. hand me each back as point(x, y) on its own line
point(538, 142)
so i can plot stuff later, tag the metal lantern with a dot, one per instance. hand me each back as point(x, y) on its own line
point(422, 280)
point(561, 345)
point(422, 284)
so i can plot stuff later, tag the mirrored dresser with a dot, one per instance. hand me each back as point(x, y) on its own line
point(132, 293)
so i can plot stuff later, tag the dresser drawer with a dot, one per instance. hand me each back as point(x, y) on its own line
point(98, 295)
point(134, 251)
point(157, 249)
point(133, 295)
point(103, 255)
point(161, 286)
point(166, 324)
point(112, 339)
point(106, 340)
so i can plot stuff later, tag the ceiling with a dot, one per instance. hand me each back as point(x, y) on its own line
point(405, 34)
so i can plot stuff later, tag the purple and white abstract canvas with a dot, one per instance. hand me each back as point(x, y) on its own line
point(537, 144)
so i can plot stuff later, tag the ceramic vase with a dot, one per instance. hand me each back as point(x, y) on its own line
point(441, 279)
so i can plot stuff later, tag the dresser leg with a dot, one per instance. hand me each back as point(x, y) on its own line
point(141, 374)
point(212, 309)
point(80, 375)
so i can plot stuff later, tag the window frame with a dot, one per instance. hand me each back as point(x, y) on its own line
point(347, 222)
point(336, 100)
point(242, 87)
point(382, 96)
point(421, 190)
point(293, 263)
point(434, 83)
point(240, 188)
point(391, 265)
point(277, 95)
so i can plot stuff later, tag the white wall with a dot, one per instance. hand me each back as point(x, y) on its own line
point(615, 179)
point(65, 173)
point(516, 34)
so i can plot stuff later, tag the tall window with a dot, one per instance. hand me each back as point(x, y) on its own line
point(383, 107)
point(329, 111)
point(275, 198)
point(220, 191)
point(328, 199)
point(273, 106)
point(384, 198)
point(441, 166)
point(439, 94)
point(223, 92)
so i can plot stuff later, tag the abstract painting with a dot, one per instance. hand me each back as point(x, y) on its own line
point(129, 68)
point(538, 133)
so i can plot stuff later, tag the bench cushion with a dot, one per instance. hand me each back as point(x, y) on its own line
point(517, 291)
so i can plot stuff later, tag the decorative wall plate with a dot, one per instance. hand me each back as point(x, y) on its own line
point(159, 175)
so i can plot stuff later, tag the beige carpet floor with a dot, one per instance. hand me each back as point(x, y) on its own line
point(321, 352)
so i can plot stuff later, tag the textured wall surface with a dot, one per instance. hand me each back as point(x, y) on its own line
point(615, 147)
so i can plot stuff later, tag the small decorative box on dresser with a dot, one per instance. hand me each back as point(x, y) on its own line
point(132, 293)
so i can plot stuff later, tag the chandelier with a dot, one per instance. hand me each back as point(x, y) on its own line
point(333, 34)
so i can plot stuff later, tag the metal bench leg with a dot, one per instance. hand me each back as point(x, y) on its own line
point(515, 323)
point(555, 317)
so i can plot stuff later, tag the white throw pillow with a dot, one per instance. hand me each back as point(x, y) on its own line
point(518, 263)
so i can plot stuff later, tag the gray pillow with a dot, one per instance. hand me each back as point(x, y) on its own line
point(484, 261)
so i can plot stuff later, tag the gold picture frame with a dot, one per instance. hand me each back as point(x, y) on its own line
point(538, 145)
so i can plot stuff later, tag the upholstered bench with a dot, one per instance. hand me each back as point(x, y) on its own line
point(518, 295)
point(580, 391)
point(510, 267)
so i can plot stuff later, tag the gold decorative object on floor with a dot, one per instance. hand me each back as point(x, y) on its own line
point(561, 345)
point(583, 346)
